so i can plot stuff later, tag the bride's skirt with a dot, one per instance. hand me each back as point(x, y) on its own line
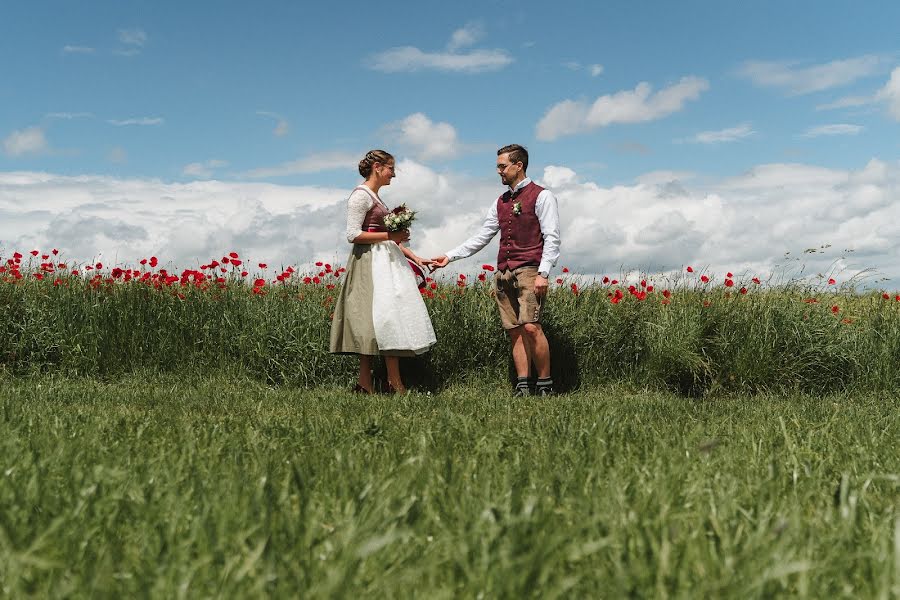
point(380, 309)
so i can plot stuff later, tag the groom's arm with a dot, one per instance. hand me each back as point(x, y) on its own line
point(489, 229)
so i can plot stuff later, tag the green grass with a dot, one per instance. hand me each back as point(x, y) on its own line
point(157, 487)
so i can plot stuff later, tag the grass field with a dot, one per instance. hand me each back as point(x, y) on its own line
point(225, 487)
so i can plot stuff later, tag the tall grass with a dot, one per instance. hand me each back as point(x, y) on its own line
point(699, 340)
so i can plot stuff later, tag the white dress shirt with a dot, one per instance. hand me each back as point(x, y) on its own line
point(547, 211)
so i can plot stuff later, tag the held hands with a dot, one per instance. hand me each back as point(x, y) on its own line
point(438, 262)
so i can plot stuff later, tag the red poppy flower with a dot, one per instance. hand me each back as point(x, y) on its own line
point(835, 309)
point(743, 290)
point(755, 280)
point(482, 276)
point(244, 273)
point(226, 260)
point(55, 251)
point(259, 283)
point(316, 280)
point(34, 252)
point(143, 261)
point(729, 275)
point(462, 277)
point(886, 296)
point(643, 283)
point(565, 269)
point(488, 268)
point(605, 279)
point(307, 280)
point(614, 282)
point(433, 285)
point(690, 269)
point(615, 299)
point(233, 254)
point(318, 264)
point(17, 256)
point(262, 265)
point(667, 293)
point(649, 288)
point(704, 278)
point(575, 288)
point(236, 262)
point(831, 282)
point(153, 261)
point(729, 283)
point(559, 280)
point(99, 265)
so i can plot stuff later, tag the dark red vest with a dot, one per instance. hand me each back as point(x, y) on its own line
point(521, 241)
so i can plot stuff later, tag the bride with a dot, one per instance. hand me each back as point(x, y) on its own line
point(379, 309)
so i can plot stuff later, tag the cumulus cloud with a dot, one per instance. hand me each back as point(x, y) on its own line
point(410, 58)
point(628, 106)
point(30, 140)
point(313, 163)
point(797, 79)
point(730, 134)
point(660, 223)
point(426, 138)
point(890, 94)
point(832, 129)
point(596, 70)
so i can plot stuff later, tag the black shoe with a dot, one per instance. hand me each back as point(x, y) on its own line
point(521, 392)
point(545, 391)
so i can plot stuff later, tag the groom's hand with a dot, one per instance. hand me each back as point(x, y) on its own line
point(540, 285)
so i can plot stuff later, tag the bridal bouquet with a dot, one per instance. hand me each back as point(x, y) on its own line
point(400, 218)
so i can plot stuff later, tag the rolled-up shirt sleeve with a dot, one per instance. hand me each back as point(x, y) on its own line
point(547, 209)
point(358, 204)
point(488, 230)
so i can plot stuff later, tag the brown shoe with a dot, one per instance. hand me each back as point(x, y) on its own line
point(358, 389)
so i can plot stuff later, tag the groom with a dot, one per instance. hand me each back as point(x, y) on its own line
point(527, 217)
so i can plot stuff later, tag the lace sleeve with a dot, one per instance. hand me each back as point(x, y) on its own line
point(358, 205)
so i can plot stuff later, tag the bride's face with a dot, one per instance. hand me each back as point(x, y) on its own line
point(385, 173)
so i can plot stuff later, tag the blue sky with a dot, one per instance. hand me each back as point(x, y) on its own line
point(652, 119)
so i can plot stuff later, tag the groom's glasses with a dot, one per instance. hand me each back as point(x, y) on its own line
point(502, 167)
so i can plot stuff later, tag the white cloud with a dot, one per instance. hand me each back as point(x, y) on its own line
point(465, 36)
point(410, 58)
point(30, 140)
point(203, 169)
point(68, 116)
point(832, 129)
point(742, 224)
point(890, 94)
point(426, 138)
point(77, 50)
point(596, 70)
point(314, 163)
point(132, 37)
point(628, 106)
point(796, 79)
point(282, 127)
point(846, 102)
point(730, 134)
point(136, 121)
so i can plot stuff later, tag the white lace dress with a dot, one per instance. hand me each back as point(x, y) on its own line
point(380, 309)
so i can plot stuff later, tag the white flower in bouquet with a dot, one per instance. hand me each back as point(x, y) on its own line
point(400, 218)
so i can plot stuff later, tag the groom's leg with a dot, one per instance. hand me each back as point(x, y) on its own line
point(540, 348)
point(521, 355)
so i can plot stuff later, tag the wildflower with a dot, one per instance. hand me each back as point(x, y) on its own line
point(643, 283)
point(729, 282)
point(262, 265)
point(614, 282)
point(755, 280)
point(704, 279)
point(886, 296)
point(565, 269)
point(667, 293)
point(481, 277)
point(55, 252)
point(433, 285)
point(144, 261)
point(690, 269)
point(559, 280)
point(153, 261)
point(605, 279)
point(831, 282)
point(316, 280)
point(233, 254)
point(244, 273)
point(743, 290)
point(34, 252)
point(488, 268)
point(98, 266)
point(236, 262)
point(259, 283)
point(649, 288)
point(835, 309)
point(729, 275)
point(665, 301)
point(575, 288)
point(319, 264)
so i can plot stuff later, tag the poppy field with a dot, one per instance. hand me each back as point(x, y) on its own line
point(692, 333)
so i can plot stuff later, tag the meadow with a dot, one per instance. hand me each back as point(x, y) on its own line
point(184, 433)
